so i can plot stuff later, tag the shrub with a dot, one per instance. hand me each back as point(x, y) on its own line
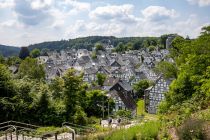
point(191, 130)
point(124, 113)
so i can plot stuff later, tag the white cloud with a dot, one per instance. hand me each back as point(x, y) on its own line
point(72, 6)
point(114, 12)
point(39, 4)
point(201, 3)
point(11, 24)
point(43, 20)
point(78, 5)
point(158, 13)
point(81, 28)
point(6, 3)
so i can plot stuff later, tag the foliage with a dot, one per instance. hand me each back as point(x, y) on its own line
point(140, 86)
point(72, 84)
point(80, 116)
point(100, 79)
point(89, 42)
point(192, 61)
point(124, 113)
point(98, 47)
point(7, 51)
point(30, 68)
point(24, 52)
point(191, 130)
point(56, 86)
point(168, 69)
point(2, 60)
point(28, 98)
point(98, 103)
point(93, 56)
point(148, 130)
point(6, 84)
point(120, 47)
point(35, 53)
point(43, 130)
point(13, 60)
point(151, 48)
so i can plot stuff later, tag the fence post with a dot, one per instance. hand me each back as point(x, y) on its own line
point(56, 136)
point(6, 135)
point(11, 135)
point(16, 133)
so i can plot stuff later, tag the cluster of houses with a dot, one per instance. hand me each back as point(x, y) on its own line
point(121, 69)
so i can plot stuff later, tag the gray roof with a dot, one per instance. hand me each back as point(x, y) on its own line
point(91, 70)
point(125, 85)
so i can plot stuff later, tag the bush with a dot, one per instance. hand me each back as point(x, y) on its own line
point(191, 130)
point(80, 117)
point(124, 113)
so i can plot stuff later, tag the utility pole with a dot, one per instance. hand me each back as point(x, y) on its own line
point(108, 107)
point(103, 107)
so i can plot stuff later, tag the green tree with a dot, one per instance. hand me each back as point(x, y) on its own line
point(93, 56)
point(6, 83)
point(7, 92)
point(140, 86)
point(80, 116)
point(151, 48)
point(2, 60)
point(168, 69)
point(98, 103)
point(30, 68)
point(56, 87)
point(100, 79)
point(24, 52)
point(43, 108)
point(98, 47)
point(72, 85)
point(137, 45)
point(14, 60)
point(120, 47)
point(129, 46)
point(192, 60)
point(35, 53)
point(205, 30)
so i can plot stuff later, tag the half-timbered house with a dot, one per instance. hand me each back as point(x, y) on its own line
point(155, 94)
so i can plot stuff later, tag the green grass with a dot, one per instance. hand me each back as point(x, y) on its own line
point(141, 111)
point(43, 130)
point(140, 107)
point(148, 130)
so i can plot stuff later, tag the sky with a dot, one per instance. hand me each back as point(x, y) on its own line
point(25, 22)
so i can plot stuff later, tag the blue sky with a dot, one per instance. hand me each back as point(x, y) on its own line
point(24, 22)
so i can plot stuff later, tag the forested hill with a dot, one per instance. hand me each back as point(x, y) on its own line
point(9, 50)
point(84, 43)
point(89, 42)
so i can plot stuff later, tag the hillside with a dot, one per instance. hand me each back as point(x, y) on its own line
point(8, 50)
point(80, 43)
point(89, 42)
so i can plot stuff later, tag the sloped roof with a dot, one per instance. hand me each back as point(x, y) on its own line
point(110, 81)
point(91, 70)
point(124, 96)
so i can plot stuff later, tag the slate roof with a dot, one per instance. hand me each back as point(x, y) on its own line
point(91, 70)
point(124, 94)
point(110, 81)
point(126, 86)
